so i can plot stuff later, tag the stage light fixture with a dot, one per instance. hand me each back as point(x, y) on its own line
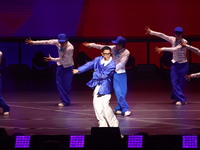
point(22, 141)
point(190, 141)
point(135, 141)
point(77, 141)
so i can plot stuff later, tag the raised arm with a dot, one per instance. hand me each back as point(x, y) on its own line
point(93, 45)
point(159, 34)
point(169, 49)
point(89, 65)
point(41, 42)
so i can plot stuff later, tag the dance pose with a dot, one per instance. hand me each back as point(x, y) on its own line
point(101, 82)
point(120, 56)
point(65, 64)
point(179, 66)
point(6, 108)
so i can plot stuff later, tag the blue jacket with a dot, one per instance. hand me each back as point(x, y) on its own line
point(102, 75)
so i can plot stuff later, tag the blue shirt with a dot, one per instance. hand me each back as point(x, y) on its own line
point(102, 74)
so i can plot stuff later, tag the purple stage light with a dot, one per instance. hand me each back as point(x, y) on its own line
point(135, 141)
point(77, 141)
point(22, 141)
point(190, 141)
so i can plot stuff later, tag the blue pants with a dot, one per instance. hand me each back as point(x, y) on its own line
point(3, 104)
point(64, 78)
point(178, 72)
point(120, 88)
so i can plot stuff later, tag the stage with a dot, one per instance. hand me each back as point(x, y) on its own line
point(34, 109)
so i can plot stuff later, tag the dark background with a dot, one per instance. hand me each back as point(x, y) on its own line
point(98, 21)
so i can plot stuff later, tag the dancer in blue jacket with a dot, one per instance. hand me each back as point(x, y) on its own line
point(101, 82)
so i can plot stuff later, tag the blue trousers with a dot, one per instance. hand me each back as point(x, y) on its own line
point(3, 104)
point(178, 72)
point(120, 88)
point(64, 78)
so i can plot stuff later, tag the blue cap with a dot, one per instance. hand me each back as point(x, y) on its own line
point(120, 40)
point(178, 30)
point(62, 37)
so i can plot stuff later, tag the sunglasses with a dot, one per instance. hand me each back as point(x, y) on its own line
point(106, 53)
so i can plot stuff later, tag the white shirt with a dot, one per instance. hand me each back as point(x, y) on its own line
point(65, 57)
point(105, 62)
point(120, 57)
point(179, 53)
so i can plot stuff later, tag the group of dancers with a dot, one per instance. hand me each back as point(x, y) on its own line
point(110, 73)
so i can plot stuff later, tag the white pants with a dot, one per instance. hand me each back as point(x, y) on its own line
point(103, 111)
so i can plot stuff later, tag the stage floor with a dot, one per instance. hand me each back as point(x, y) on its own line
point(34, 109)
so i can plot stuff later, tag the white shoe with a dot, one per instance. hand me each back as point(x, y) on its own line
point(122, 136)
point(127, 113)
point(6, 113)
point(118, 112)
point(178, 103)
point(60, 104)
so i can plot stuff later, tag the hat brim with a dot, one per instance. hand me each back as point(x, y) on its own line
point(114, 42)
point(62, 40)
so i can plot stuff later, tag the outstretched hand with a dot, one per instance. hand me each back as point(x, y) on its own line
point(188, 77)
point(158, 50)
point(47, 59)
point(86, 44)
point(75, 71)
point(148, 30)
point(29, 41)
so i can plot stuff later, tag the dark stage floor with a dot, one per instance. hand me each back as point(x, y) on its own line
point(34, 108)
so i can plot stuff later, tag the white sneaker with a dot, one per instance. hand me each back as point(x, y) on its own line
point(60, 104)
point(127, 113)
point(178, 103)
point(118, 112)
point(6, 113)
point(122, 136)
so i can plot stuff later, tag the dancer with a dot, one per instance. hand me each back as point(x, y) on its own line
point(179, 66)
point(65, 64)
point(6, 108)
point(101, 82)
point(120, 56)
